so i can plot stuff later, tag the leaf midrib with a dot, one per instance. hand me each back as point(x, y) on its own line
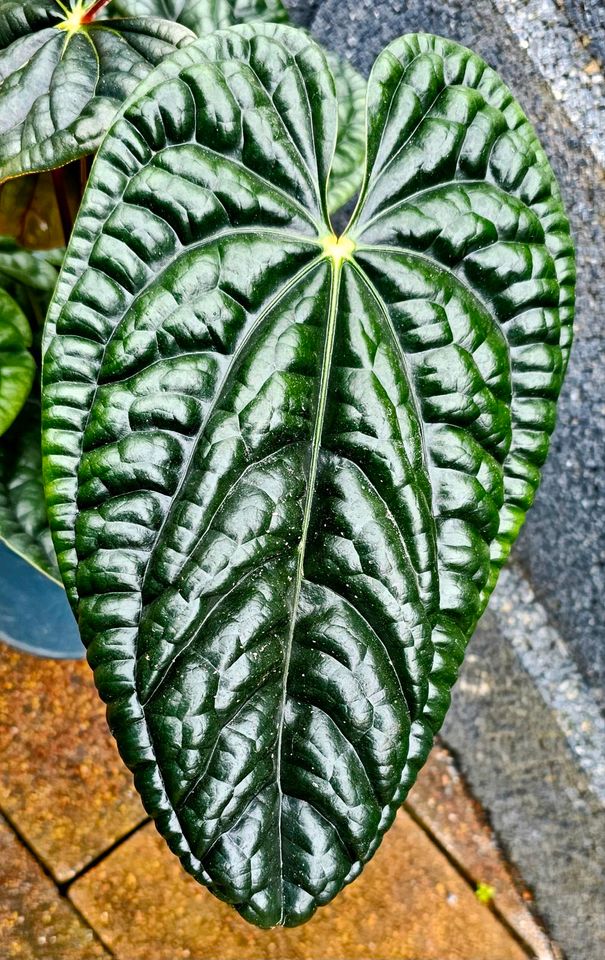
point(326, 367)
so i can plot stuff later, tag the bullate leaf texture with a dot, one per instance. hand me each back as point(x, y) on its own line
point(283, 468)
point(204, 16)
point(62, 78)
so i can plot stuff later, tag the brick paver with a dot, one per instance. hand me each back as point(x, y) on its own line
point(61, 781)
point(409, 904)
point(36, 923)
point(67, 793)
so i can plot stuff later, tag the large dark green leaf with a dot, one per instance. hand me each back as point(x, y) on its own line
point(282, 469)
point(17, 366)
point(62, 79)
point(23, 523)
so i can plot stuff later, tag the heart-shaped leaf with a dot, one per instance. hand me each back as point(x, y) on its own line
point(63, 75)
point(17, 366)
point(283, 468)
point(23, 523)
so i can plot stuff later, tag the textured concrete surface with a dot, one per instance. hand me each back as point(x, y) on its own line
point(566, 62)
point(409, 904)
point(61, 782)
point(36, 923)
point(551, 824)
point(588, 17)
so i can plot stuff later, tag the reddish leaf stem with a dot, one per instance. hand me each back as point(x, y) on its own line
point(93, 10)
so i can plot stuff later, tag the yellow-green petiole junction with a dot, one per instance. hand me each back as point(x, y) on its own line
point(79, 14)
point(338, 248)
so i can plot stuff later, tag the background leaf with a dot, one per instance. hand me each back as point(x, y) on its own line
point(23, 522)
point(280, 469)
point(204, 16)
point(19, 267)
point(17, 366)
point(59, 88)
point(347, 166)
point(30, 279)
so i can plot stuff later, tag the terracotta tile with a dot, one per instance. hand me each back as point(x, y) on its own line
point(36, 922)
point(443, 804)
point(409, 904)
point(61, 780)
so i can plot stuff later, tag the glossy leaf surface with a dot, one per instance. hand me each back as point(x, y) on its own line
point(204, 16)
point(17, 366)
point(282, 470)
point(23, 522)
point(62, 80)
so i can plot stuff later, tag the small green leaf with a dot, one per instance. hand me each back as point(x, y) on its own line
point(62, 78)
point(23, 522)
point(283, 468)
point(17, 367)
point(485, 893)
point(29, 277)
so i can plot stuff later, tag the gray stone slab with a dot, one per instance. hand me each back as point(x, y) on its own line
point(509, 745)
point(588, 18)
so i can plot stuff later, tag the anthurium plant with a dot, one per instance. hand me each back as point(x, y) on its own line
point(284, 466)
point(65, 69)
